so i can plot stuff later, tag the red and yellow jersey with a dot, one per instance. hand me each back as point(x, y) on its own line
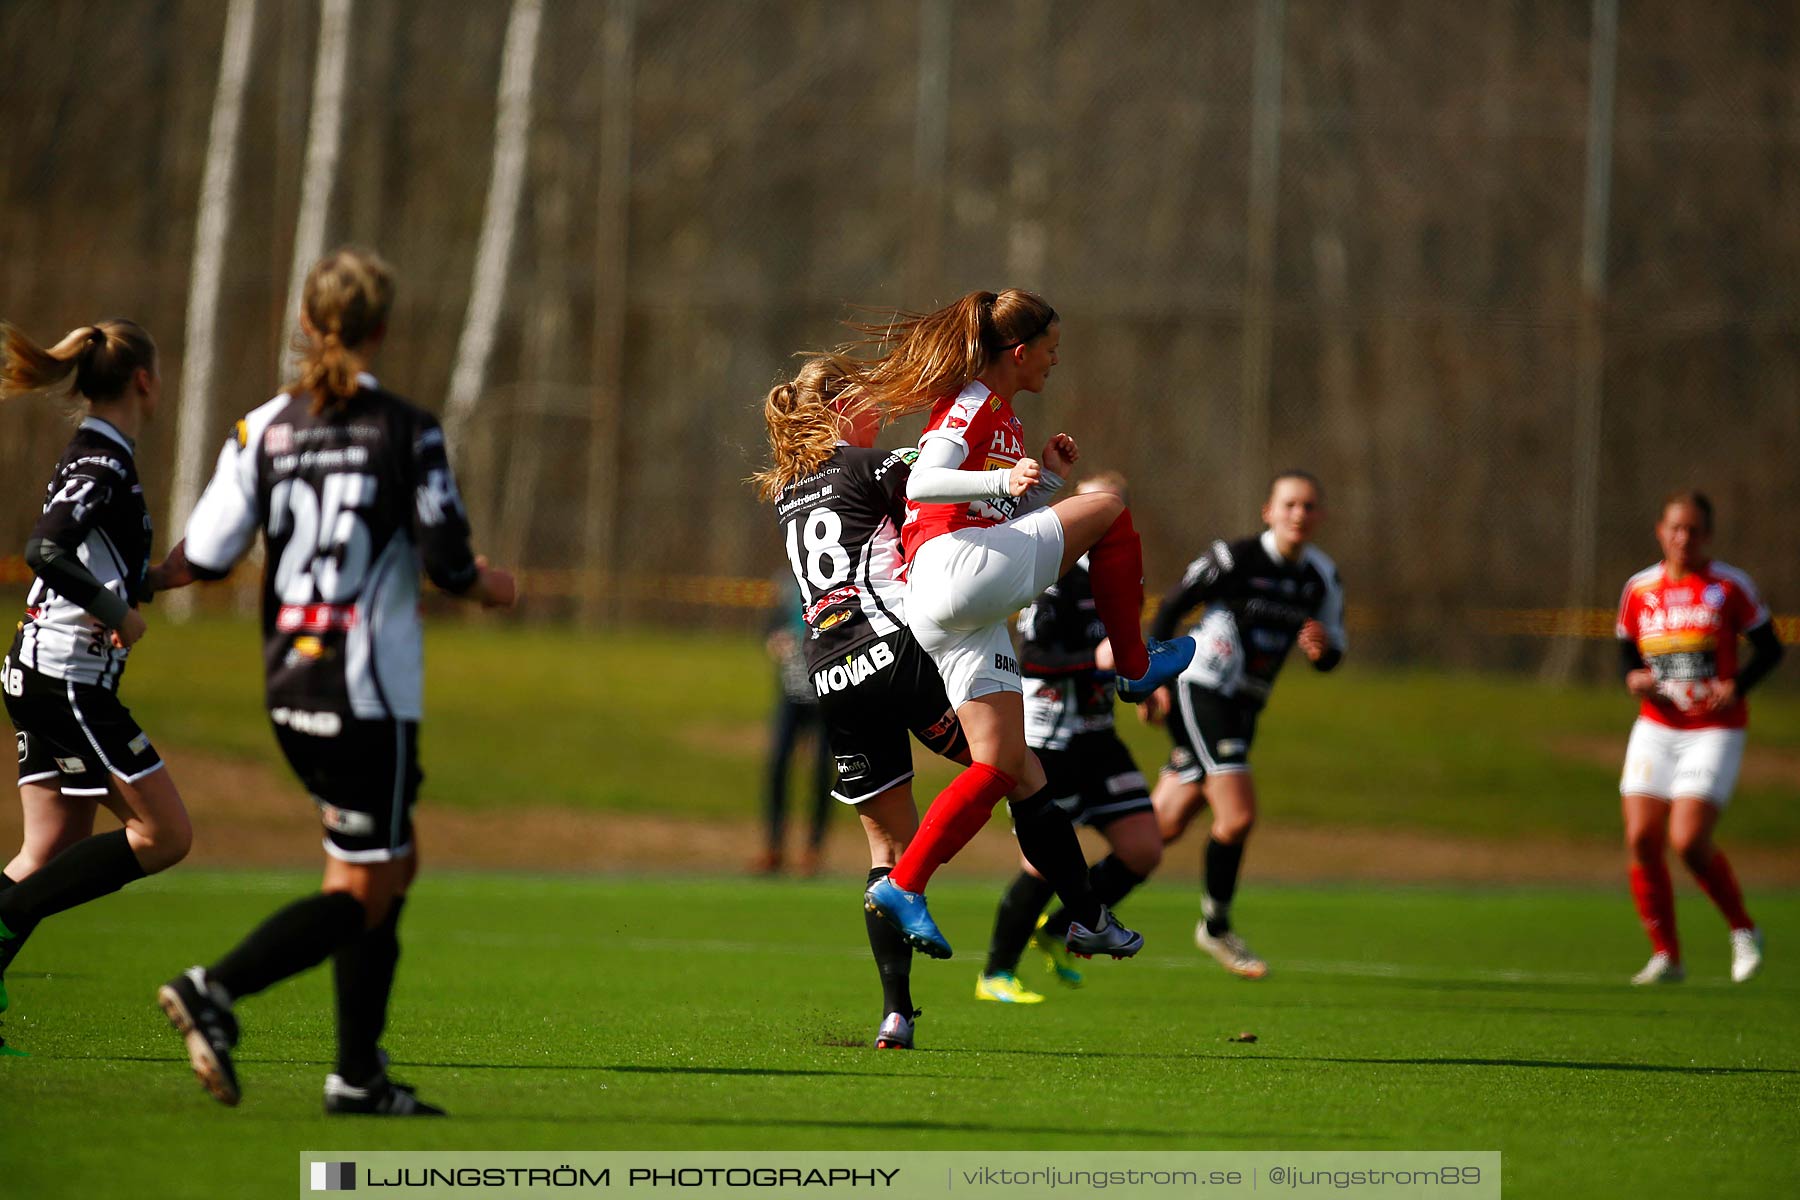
point(1687, 632)
point(988, 430)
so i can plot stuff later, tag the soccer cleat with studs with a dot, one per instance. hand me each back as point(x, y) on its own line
point(1660, 969)
point(1107, 937)
point(1167, 660)
point(896, 1031)
point(1746, 954)
point(1231, 952)
point(907, 913)
point(1003, 987)
point(383, 1098)
point(205, 1023)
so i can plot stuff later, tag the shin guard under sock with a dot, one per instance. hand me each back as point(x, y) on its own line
point(91, 868)
point(1116, 567)
point(297, 938)
point(363, 976)
point(959, 813)
point(1048, 842)
point(1654, 894)
point(1015, 921)
point(1222, 863)
point(893, 958)
point(1720, 884)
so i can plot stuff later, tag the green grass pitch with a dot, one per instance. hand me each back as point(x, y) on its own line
point(589, 720)
point(591, 1014)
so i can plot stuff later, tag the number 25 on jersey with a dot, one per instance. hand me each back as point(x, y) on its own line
point(326, 549)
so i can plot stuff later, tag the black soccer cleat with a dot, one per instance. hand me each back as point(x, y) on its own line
point(383, 1098)
point(208, 1028)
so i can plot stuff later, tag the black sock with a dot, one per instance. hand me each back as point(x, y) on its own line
point(9, 940)
point(297, 938)
point(1222, 864)
point(893, 957)
point(1111, 880)
point(1020, 906)
point(363, 974)
point(91, 868)
point(1048, 841)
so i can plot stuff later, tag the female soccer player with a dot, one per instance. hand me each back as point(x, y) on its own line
point(981, 540)
point(1679, 624)
point(1069, 725)
point(78, 745)
point(840, 505)
point(351, 486)
point(1264, 594)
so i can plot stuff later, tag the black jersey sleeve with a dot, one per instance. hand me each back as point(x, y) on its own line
point(62, 570)
point(1767, 644)
point(82, 491)
point(1200, 583)
point(891, 474)
point(440, 520)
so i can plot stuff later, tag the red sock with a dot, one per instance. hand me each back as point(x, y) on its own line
point(1720, 884)
point(959, 813)
point(1116, 567)
point(1655, 897)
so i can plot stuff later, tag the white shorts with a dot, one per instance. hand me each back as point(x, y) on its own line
point(963, 585)
point(1673, 764)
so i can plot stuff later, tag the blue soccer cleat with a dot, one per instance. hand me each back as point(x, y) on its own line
point(907, 913)
point(1167, 660)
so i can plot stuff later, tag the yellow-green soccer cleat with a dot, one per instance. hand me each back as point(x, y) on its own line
point(1056, 954)
point(1005, 988)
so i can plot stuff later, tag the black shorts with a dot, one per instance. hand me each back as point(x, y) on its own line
point(1095, 780)
point(1212, 734)
point(363, 775)
point(870, 701)
point(73, 735)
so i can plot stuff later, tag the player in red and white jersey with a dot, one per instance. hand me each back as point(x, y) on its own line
point(983, 539)
point(1679, 625)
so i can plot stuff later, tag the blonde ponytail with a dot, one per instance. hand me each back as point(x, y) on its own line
point(347, 297)
point(802, 416)
point(102, 357)
point(926, 356)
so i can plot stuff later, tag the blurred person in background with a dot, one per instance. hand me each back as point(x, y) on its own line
point(352, 490)
point(1068, 664)
point(983, 537)
point(797, 719)
point(1263, 595)
point(840, 505)
point(78, 745)
point(1679, 625)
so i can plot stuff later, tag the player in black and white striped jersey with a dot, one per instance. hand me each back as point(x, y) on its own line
point(1070, 685)
point(839, 504)
point(1264, 595)
point(350, 487)
point(79, 747)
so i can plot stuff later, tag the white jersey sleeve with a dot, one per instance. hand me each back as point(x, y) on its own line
point(1331, 609)
point(223, 525)
point(937, 477)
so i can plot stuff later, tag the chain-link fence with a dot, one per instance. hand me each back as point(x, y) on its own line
point(1502, 273)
